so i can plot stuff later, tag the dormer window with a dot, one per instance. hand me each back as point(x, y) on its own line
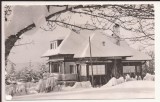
point(54, 44)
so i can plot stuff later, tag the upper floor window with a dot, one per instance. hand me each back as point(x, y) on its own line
point(55, 44)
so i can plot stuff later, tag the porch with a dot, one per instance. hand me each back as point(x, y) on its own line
point(103, 70)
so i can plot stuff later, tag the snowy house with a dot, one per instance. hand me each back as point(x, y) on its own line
point(70, 57)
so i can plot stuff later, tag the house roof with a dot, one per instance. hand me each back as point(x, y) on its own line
point(137, 55)
point(101, 45)
point(78, 44)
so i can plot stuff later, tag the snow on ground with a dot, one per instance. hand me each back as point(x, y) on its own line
point(126, 90)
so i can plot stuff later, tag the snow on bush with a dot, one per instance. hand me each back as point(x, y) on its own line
point(41, 85)
point(47, 84)
point(84, 84)
point(112, 82)
point(32, 90)
point(22, 16)
point(128, 78)
point(21, 88)
point(139, 78)
point(46, 75)
point(51, 83)
point(77, 85)
point(149, 77)
point(120, 80)
point(8, 97)
point(11, 90)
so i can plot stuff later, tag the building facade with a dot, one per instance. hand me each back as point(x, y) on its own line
point(78, 58)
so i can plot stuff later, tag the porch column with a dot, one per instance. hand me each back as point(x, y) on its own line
point(120, 68)
point(140, 70)
point(64, 68)
point(114, 70)
point(135, 70)
point(78, 72)
point(87, 72)
point(49, 67)
point(59, 67)
point(106, 73)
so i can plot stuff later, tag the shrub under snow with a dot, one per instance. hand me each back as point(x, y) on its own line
point(112, 82)
point(84, 84)
point(8, 97)
point(149, 77)
point(120, 80)
point(41, 85)
point(32, 90)
point(128, 78)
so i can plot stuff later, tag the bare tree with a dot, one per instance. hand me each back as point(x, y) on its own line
point(137, 18)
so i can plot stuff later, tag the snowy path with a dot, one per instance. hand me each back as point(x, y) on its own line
point(132, 89)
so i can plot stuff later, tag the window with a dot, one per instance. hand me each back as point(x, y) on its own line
point(71, 69)
point(55, 68)
point(97, 70)
point(59, 42)
point(128, 69)
point(53, 45)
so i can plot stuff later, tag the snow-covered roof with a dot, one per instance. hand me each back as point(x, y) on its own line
point(137, 55)
point(101, 45)
point(78, 44)
point(58, 38)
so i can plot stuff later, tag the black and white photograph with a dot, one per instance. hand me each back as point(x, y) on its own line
point(78, 51)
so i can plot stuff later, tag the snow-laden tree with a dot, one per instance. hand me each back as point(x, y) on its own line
point(137, 18)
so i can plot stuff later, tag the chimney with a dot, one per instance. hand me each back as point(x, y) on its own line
point(116, 33)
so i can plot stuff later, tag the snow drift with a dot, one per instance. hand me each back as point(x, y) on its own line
point(113, 81)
